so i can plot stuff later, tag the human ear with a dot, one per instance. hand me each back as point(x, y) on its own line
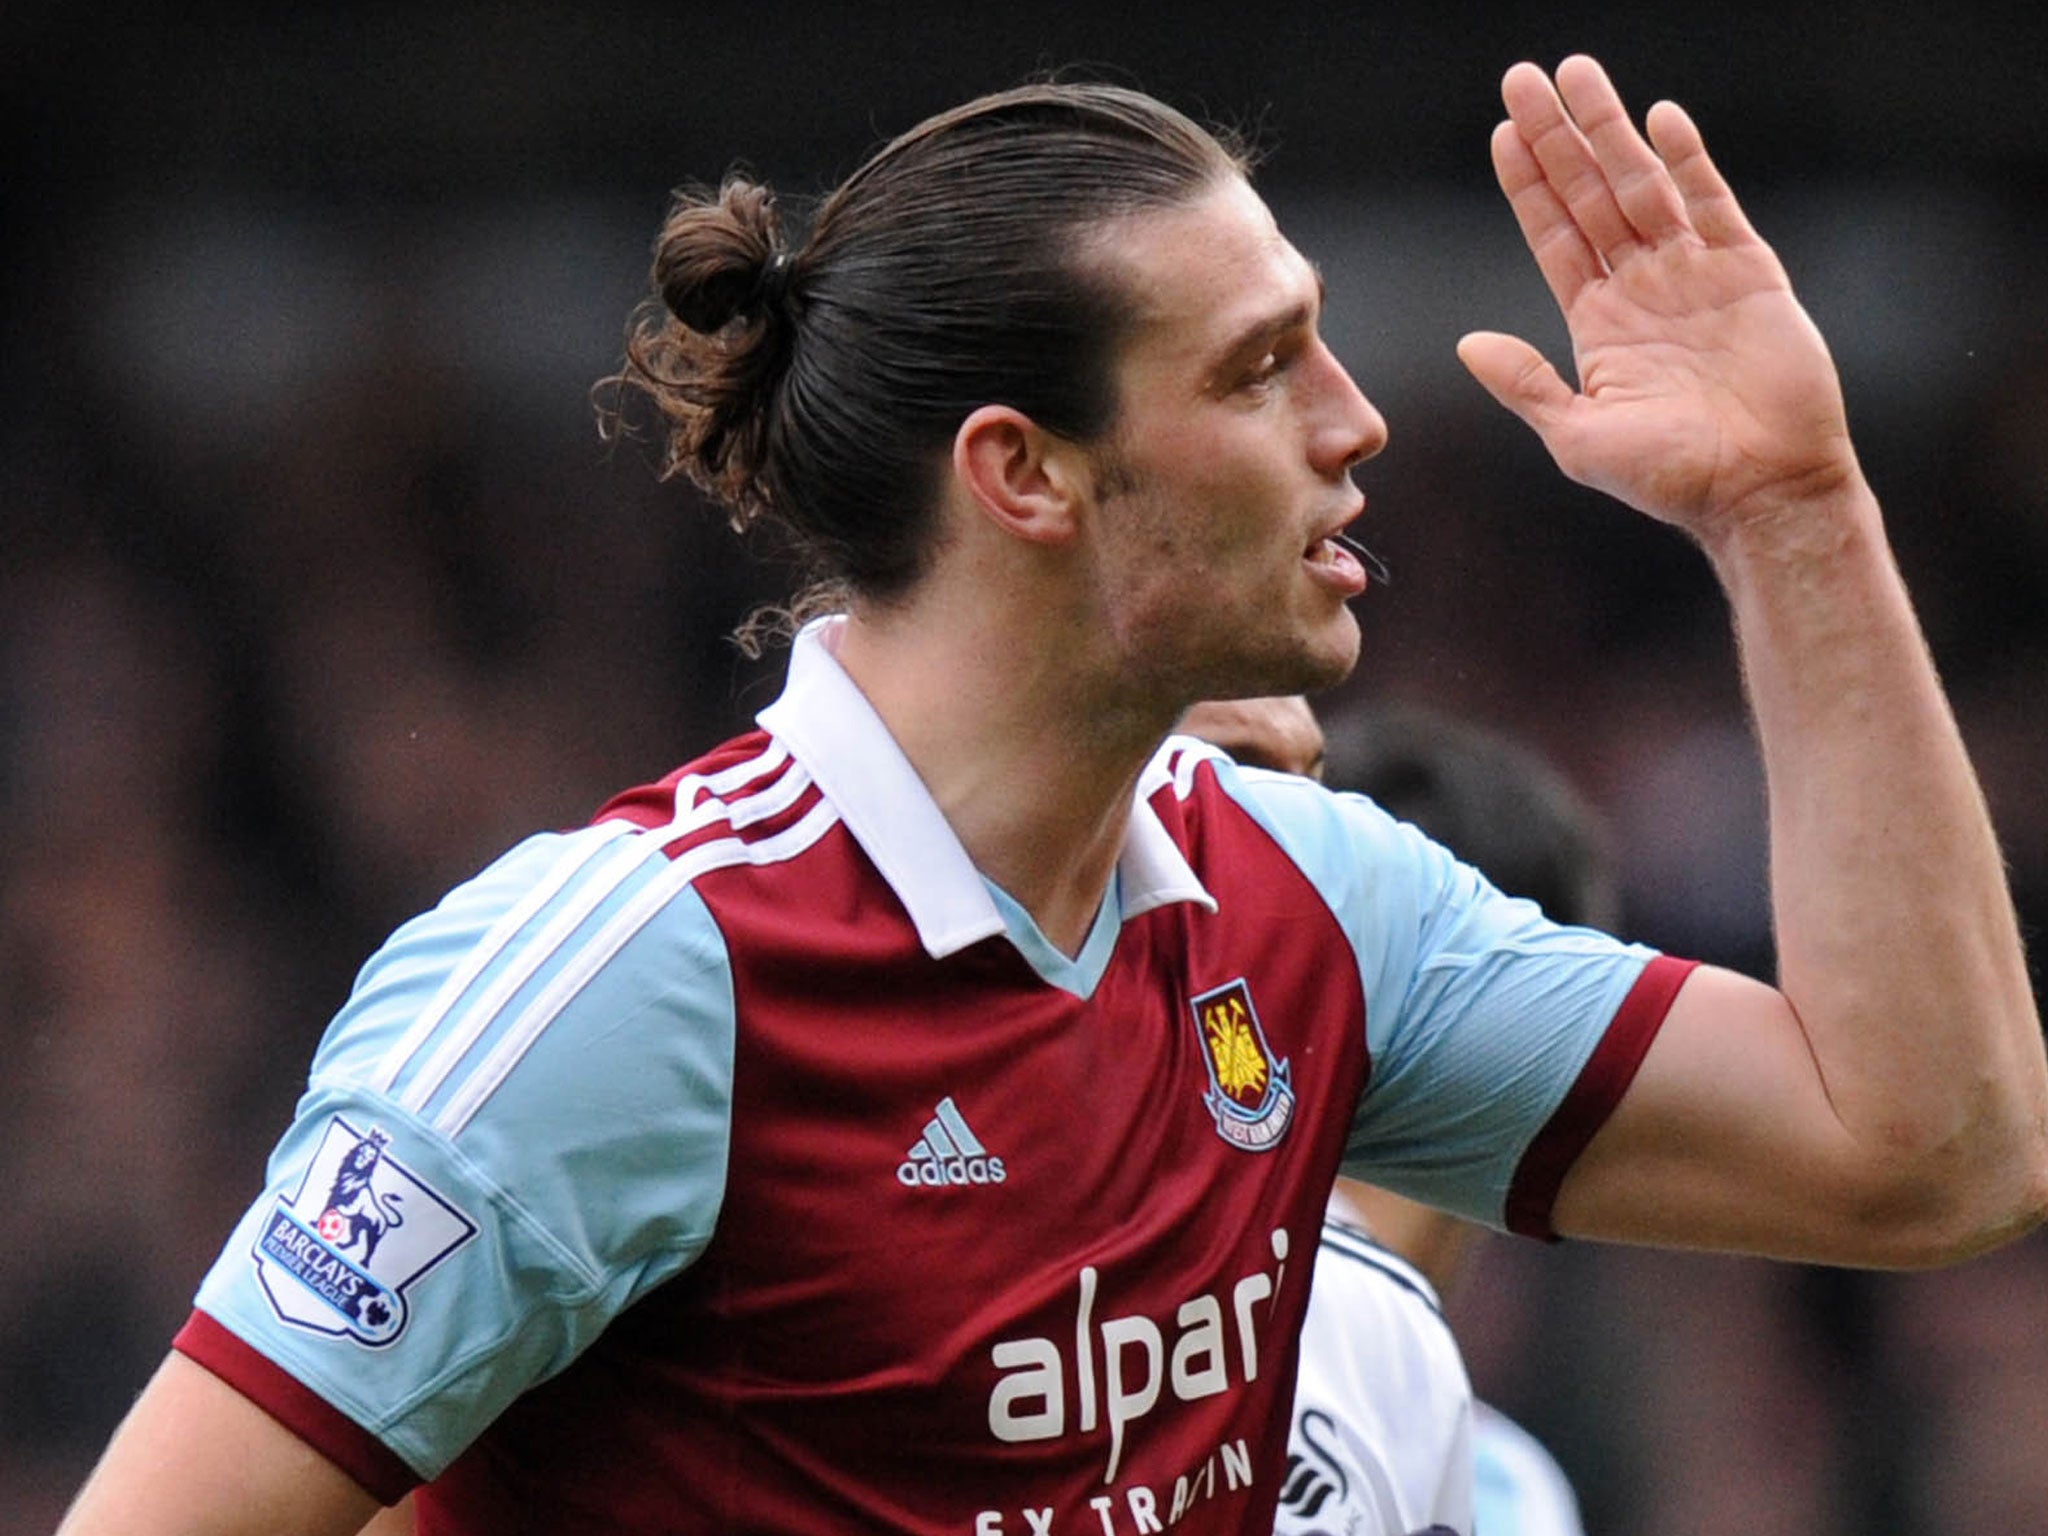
point(1022, 477)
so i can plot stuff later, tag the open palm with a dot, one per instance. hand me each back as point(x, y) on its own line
point(1705, 393)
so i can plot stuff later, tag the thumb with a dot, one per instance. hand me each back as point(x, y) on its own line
point(1516, 375)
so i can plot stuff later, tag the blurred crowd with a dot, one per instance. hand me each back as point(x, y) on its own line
point(315, 594)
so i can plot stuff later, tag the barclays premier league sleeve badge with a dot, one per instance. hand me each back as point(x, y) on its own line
point(337, 1256)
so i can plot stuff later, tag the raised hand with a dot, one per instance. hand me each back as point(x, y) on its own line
point(1706, 396)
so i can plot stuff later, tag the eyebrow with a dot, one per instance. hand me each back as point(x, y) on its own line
point(1266, 327)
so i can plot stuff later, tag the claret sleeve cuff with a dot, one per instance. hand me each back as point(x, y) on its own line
point(1599, 1087)
point(375, 1467)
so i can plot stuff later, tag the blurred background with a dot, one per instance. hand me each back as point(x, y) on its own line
point(317, 588)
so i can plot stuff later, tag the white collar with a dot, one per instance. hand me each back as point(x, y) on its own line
point(834, 733)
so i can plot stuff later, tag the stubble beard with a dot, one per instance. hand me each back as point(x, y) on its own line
point(1294, 663)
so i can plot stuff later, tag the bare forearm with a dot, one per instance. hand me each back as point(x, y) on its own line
point(196, 1458)
point(1896, 936)
point(1890, 1103)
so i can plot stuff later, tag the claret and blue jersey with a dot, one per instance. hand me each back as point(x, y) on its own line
point(747, 1161)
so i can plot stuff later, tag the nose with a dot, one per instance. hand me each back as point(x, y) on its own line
point(1348, 429)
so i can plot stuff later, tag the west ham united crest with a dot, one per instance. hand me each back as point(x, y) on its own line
point(1249, 1092)
point(337, 1256)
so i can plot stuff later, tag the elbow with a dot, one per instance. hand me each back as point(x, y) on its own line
point(1951, 1205)
point(2016, 1205)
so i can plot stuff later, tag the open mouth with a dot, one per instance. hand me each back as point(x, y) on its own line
point(1376, 568)
point(1336, 566)
point(1344, 563)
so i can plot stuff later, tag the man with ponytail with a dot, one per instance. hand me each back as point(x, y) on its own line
point(916, 1115)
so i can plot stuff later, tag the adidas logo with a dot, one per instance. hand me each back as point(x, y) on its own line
point(948, 1153)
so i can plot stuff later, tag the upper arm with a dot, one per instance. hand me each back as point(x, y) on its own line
point(1726, 1139)
point(516, 1127)
point(196, 1457)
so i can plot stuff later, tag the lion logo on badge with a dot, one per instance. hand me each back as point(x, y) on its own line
point(338, 1256)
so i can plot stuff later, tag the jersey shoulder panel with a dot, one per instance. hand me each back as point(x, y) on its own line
point(519, 1123)
point(1481, 1013)
point(1346, 1245)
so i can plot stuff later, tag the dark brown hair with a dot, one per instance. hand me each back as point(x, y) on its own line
point(822, 385)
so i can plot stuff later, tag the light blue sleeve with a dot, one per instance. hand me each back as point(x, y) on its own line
point(516, 1126)
point(1480, 1011)
point(1518, 1487)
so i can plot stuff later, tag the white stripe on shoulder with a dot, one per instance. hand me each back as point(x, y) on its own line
point(599, 888)
point(770, 801)
point(488, 948)
point(613, 937)
point(1360, 1249)
point(1189, 754)
point(738, 776)
point(528, 959)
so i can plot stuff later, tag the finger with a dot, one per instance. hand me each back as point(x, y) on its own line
point(1554, 238)
point(1518, 376)
point(1640, 181)
point(1568, 161)
point(1709, 203)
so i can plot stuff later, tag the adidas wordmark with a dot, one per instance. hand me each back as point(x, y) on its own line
point(948, 1153)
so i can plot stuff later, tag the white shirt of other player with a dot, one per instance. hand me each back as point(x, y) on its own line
point(1387, 1439)
point(1381, 1443)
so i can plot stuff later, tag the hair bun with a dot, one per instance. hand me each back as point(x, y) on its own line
point(771, 288)
point(721, 258)
point(710, 304)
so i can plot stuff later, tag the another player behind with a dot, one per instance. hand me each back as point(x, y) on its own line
point(1386, 1438)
